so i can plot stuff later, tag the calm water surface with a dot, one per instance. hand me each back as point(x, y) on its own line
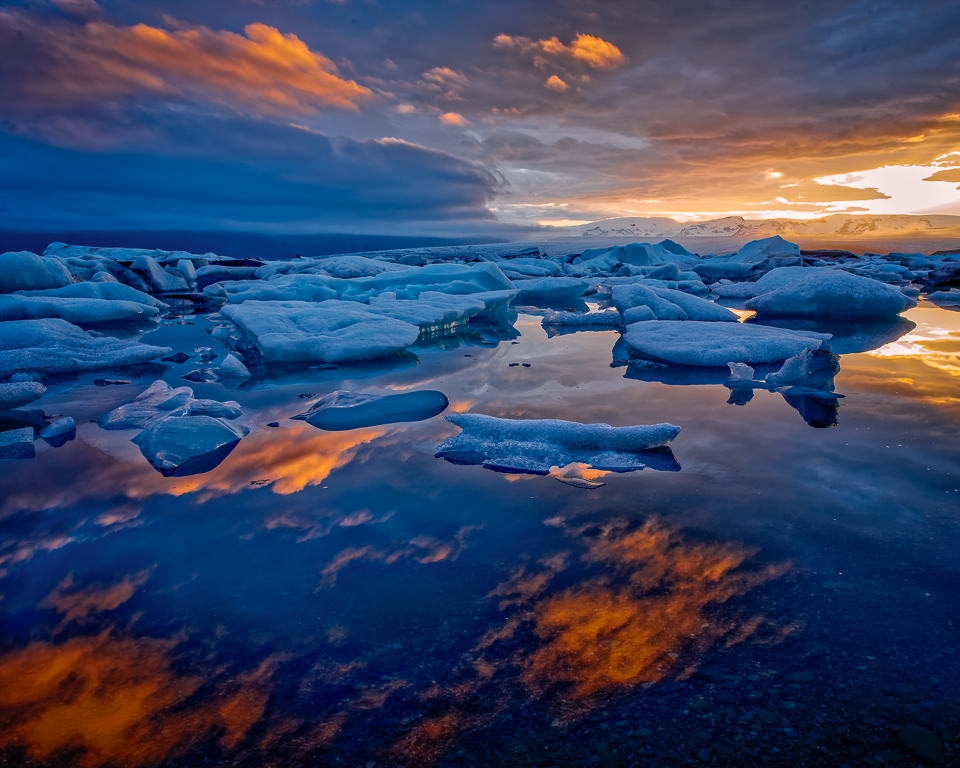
point(788, 597)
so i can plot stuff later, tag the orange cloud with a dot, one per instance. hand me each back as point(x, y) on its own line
point(262, 69)
point(555, 83)
point(591, 50)
point(453, 118)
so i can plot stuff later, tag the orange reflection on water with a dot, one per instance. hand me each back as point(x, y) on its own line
point(77, 605)
point(119, 700)
point(649, 609)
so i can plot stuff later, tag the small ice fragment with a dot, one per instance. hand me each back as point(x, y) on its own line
point(59, 431)
point(349, 410)
point(17, 393)
point(17, 444)
point(232, 368)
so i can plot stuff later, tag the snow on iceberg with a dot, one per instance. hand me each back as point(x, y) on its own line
point(342, 410)
point(825, 292)
point(22, 270)
point(708, 344)
point(53, 345)
point(323, 332)
point(537, 445)
point(188, 445)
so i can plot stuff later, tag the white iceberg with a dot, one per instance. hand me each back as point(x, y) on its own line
point(342, 410)
point(825, 292)
point(22, 270)
point(187, 445)
point(323, 332)
point(16, 393)
point(536, 445)
point(716, 344)
point(55, 346)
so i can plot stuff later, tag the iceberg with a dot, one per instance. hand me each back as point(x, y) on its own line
point(17, 444)
point(537, 445)
point(342, 410)
point(53, 345)
point(188, 445)
point(79, 311)
point(160, 399)
point(634, 300)
point(708, 344)
point(233, 368)
point(22, 270)
point(550, 289)
point(100, 290)
point(16, 393)
point(324, 332)
point(59, 431)
point(825, 292)
point(600, 321)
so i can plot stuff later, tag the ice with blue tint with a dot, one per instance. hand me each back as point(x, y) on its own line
point(13, 394)
point(188, 445)
point(160, 399)
point(79, 311)
point(342, 410)
point(53, 346)
point(22, 270)
point(697, 343)
point(640, 301)
point(329, 331)
point(536, 445)
point(825, 292)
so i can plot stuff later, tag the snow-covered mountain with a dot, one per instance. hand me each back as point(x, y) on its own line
point(839, 225)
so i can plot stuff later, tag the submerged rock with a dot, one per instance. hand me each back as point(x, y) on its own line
point(349, 410)
point(536, 445)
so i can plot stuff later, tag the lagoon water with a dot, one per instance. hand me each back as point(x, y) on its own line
point(781, 594)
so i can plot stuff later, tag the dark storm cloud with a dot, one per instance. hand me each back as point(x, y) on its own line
point(242, 175)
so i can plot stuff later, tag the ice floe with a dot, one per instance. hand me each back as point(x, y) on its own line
point(537, 445)
point(186, 445)
point(17, 444)
point(79, 311)
point(342, 410)
point(638, 301)
point(59, 431)
point(160, 399)
point(53, 345)
point(825, 292)
point(22, 270)
point(698, 343)
point(17, 393)
point(330, 331)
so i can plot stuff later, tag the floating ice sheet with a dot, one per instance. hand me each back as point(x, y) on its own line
point(342, 410)
point(716, 344)
point(537, 445)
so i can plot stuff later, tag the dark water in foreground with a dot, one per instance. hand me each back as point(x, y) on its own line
point(789, 597)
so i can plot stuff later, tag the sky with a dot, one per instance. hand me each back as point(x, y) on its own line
point(452, 118)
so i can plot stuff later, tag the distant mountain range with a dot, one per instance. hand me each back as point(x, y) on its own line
point(837, 225)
